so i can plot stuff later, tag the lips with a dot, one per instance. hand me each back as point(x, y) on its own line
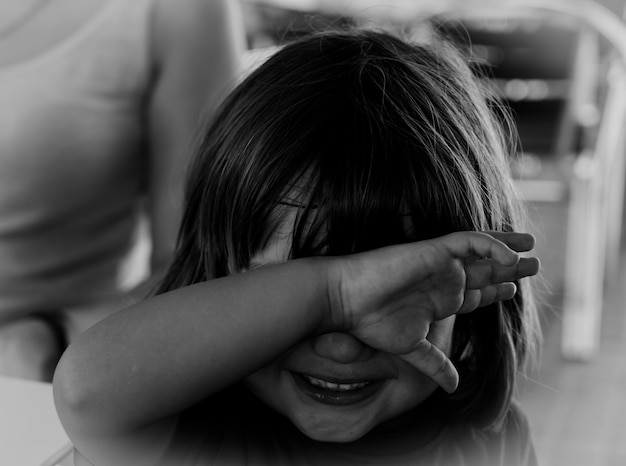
point(337, 392)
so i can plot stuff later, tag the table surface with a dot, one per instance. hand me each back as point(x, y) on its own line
point(30, 431)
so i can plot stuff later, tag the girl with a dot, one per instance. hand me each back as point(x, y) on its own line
point(348, 208)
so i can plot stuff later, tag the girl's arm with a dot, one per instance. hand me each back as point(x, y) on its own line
point(120, 385)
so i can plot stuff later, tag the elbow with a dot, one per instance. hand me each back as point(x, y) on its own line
point(73, 397)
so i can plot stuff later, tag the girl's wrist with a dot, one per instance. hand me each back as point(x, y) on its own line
point(333, 316)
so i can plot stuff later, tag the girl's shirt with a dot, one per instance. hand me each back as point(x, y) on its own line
point(245, 432)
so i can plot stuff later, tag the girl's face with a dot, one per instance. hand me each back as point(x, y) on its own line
point(333, 387)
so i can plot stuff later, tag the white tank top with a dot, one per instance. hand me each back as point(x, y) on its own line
point(73, 164)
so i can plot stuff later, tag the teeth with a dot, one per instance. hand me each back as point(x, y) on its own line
point(338, 387)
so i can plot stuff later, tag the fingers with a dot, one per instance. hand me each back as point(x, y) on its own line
point(468, 244)
point(433, 363)
point(520, 242)
point(473, 299)
point(485, 272)
point(488, 282)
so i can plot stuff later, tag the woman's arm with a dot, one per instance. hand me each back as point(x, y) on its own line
point(198, 48)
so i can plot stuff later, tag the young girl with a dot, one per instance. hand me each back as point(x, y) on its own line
point(348, 208)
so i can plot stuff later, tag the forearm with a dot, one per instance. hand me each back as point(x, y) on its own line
point(169, 352)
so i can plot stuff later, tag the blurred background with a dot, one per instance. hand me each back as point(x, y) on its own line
point(559, 67)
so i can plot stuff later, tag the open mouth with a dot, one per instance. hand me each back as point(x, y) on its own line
point(335, 392)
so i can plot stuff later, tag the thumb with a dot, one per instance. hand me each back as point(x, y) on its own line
point(432, 362)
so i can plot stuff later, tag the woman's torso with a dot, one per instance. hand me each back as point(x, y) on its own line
point(72, 152)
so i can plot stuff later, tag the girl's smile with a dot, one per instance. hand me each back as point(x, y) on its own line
point(336, 389)
point(353, 374)
point(338, 392)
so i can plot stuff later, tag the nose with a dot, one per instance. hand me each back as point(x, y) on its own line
point(341, 347)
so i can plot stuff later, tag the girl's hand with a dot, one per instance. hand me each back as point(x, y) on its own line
point(388, 297)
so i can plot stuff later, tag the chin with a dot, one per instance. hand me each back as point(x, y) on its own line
point(332, 436)
point(332, 430)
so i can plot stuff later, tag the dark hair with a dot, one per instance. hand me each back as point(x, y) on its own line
point(379, 141)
